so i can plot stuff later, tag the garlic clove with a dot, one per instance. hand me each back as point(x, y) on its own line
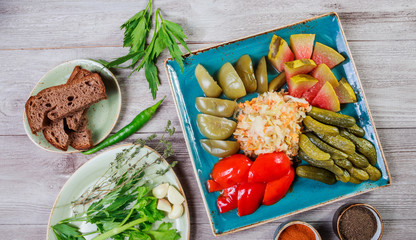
point(161, 190)
point(174, 196)
point(164, 205)
point(177, 211)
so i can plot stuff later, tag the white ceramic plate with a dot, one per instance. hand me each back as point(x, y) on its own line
point(92, 170)
point(102, 116)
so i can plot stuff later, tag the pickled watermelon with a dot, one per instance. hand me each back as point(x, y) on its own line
point(279, 53)
point(324, 74)
point(302, 45)
point(324, 54)
point(296, 67)
point(300, 83)
point(327, 98)
point(345, 92)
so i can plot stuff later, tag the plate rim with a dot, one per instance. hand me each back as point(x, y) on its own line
point(48, 230)
point(195, 52)
point(55, 150)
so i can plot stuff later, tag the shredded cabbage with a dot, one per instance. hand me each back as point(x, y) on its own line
point(270, 123)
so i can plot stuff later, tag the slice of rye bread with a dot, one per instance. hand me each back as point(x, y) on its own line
point(55, 134)
point(63, 100)
point(82, 138)
point(73, 121)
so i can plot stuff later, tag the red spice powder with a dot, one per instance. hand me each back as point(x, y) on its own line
point(297, 232)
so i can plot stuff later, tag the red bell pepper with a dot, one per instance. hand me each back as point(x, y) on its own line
point(269, 167)
point(277, 189)
point(228, 199)
point(231, 170)
point(213, 186)
point(250, 196)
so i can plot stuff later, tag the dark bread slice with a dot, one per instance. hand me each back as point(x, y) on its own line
point(63, 100)
point(73, 121)
point(55, 134)
point(82, 139)
point(73, 74)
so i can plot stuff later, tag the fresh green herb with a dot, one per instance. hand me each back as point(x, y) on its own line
point(119, 202)
point(136, 30)
point(128, 130)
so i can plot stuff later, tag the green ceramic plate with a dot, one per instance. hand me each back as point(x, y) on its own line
point(92, 170)
point(102, 115)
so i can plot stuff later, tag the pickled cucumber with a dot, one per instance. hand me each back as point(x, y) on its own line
point(358, 160)
point(355, 180)
point(328, 165)
point(374, 173)
point(335, 153)
point(322, 164)
point(363, 146)
point(332, 118)
point(354, 172)
point(338, 142)
point(315, 173)
point(311, 150)
point(319, 127)
point(345, 177)
point(220, 148)
point(277, 82)
point(356, 130)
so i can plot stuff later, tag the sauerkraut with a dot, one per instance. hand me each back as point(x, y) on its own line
point(270, 123)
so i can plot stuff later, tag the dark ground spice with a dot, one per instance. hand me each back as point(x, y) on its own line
point(358, 223)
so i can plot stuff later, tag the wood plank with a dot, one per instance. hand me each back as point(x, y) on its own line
point(91, 23)
point(385, 90)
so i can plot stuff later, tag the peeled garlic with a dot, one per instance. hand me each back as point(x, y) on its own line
point(177, 211)
point(174, 196)
point(161, 190)
point(164, 205)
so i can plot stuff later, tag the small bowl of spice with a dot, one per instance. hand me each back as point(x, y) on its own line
point(296, 230)
point(358, 221)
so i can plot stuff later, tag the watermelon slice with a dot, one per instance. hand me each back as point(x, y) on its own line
point(324, 54)
point(279, 53)
point(327, 98)
point(302, 45)
point(323, 73)
point(296, 67)
point(311, 93)
point(345, 92)
point(300, 84)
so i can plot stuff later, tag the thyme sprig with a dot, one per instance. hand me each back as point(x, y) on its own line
point(126, 172)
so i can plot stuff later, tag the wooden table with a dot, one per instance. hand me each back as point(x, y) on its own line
point(37, 36)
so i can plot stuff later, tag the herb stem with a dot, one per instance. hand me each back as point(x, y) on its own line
point(120, 229)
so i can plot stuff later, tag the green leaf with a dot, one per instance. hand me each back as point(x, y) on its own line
point(150, 72)
point(139, 35)
point(164, 232)
point(177, 31)
point(66, 231)
point(132, 19)
point(117, 62)
point(174, 49)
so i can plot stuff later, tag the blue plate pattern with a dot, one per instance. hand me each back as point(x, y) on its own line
point(306, 194)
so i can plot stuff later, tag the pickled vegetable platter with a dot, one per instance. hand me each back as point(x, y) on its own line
point(305, 193)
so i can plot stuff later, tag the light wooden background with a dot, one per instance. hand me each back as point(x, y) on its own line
point(36, 36)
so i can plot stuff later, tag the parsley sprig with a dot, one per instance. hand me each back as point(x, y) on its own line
point(166, 35)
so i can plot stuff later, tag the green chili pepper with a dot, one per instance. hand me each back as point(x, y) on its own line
point(128, 130)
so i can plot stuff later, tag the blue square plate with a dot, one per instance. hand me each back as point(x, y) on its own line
point(306, 194)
